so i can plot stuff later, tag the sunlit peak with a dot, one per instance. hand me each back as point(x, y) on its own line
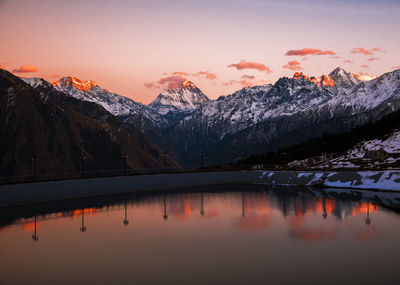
point(188, 84)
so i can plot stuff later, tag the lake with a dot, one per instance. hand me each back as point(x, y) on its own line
point(232, 234)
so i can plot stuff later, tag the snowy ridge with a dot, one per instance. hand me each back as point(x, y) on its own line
point(115, 104)
point(34, 81)
point(300, 96)
point(183, 99)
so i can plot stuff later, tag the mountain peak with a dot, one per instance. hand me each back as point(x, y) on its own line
point(186, 99)
point(188, 84)
point(324, 80)
point(71, 81)
point(344, 78)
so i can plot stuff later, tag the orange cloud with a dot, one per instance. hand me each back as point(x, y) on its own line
point(348, 61)
point(365, 66)
point(373, 59)
point(206, 74)
point(362, 50)
point(308, 51)
point(293, 65)
point(26, 69)
point(243, 64)
point(365, 51)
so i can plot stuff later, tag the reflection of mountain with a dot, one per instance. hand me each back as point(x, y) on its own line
point(297, 207)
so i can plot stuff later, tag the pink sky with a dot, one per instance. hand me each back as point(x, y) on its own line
point(137, 48)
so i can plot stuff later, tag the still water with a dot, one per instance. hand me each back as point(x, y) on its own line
point(213, 235)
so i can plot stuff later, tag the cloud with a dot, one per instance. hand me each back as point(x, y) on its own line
point(348, 61)
point(247, 81)
point(231, 82)
point(26, 69)
point(243, 64)
point(173, 81)
point(149, 84)
point(308, 51)
point(378, 50)
point(366, 51)
point(373, 58)
point(182, 73)
point(248, 77)
point(206, 74)
point(293, 65)
point(365, 66)
point(334, 56)
point(396, 67)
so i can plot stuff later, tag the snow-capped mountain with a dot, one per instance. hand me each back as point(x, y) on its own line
point(263, 118)
point(184, 99)
point(34, 81)
point(117, 105)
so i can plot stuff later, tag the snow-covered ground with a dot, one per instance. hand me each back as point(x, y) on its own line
point(379, 180)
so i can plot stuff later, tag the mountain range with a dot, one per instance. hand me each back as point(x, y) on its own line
point(254, 120)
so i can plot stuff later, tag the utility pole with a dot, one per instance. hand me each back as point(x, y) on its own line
point(125, 163)
point(165, 162)
point(34, 161)
point(82, 161)
point(201, 160)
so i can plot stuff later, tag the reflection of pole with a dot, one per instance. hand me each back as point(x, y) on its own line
point(165, 216)
point(126, 221)
point(324, 208)
point(201, 205)
point(34, 236)
point(83, 228)
point(368, 220)
point(243, 213)
point(284, 206)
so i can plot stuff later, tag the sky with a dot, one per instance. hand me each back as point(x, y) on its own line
point(139, 48)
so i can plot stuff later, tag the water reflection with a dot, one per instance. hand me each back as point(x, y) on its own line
point(209, 229)
point(255, 209)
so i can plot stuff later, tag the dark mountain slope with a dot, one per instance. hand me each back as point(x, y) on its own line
point(337, 144)
point(45, 124)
